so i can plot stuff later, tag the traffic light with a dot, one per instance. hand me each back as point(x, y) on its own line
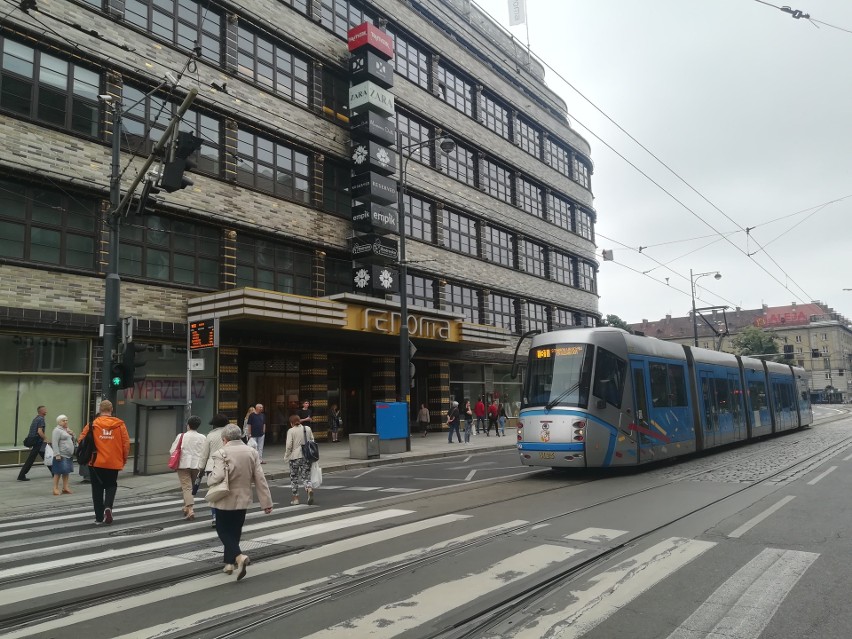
point(133, 360)
point(146, 198)
point(117, 375)
point(173, 172)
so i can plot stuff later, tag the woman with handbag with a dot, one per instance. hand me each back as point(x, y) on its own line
point(238, 465)
point(300, 468)
point(63, 451)
point(185, 459)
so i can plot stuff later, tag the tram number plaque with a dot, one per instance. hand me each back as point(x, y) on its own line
point(547, 455)
point(203, 334)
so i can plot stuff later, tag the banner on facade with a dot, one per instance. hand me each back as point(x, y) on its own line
point(517, 12)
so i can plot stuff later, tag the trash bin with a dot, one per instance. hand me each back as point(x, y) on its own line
point(363, 446)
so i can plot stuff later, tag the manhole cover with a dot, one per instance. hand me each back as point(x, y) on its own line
point(135, 531)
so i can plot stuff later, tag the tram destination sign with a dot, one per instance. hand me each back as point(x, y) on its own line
point(203, 334)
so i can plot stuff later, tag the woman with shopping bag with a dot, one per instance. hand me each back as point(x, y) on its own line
point(185, 459)
point(300, 467)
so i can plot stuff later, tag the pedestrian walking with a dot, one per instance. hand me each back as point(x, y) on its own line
point(36, 441)
point(468, 421)
point(62, 440)
point(336, 421)
point(501, 418)
point(257, 429)
point(191, 448)
point(246, 428)
point(242, 465)
point(112, 448)
point(300, 468)
point(423, 419)
point(453, 423)
point(492, 419)
point(479, 411)
point(212, 443)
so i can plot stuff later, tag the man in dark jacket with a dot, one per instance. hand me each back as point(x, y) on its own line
point(36, 440)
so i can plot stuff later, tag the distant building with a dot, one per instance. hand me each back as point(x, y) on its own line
point(819, 340)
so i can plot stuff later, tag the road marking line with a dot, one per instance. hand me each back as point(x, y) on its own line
point(607, 593)
point(363, 489)
point(470, 475)
point(416, 611)
point(751, 523)
point(742, 607)
point(399, 490)
point(215, 581)
point(366, 472)
point(818, 477)
point(847, 458)
point(597, 535)
point(88, 513)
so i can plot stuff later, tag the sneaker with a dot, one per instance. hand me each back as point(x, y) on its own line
point(108, 515)
point(98, 523)
point(294, 501)
point(228, 569)
point(310, 498)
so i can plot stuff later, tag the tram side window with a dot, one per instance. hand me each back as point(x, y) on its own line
point(677, 385)
point(668, 388)
point(723, 397)
point(757, 395)
point(609, 377)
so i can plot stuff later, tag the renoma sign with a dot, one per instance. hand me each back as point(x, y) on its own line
point(376, 320)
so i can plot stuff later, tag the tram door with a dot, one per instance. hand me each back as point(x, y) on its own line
point(640, 402)
point(709, 412)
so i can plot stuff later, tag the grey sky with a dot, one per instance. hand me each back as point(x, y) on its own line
point(752, 107)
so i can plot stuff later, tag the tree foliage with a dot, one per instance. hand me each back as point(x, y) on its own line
point(756, 341)
point(616, 322)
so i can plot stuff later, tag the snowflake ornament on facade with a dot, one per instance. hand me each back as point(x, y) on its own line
point(359, 154)
point(383, 157)
point(386, 279)
point(362, 277)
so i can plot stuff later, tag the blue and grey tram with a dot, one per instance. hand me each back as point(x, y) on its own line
point(603, 397)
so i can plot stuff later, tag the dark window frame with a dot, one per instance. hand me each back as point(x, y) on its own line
point(532, 257)
point(460, 164)
point(495, 116)
point(496, 180)
point(461, 233)
point(419, 218)
point(504, 312)
point(455, 89)
point(464, 301)
point(271, 156)
point(537, 316)
point(171, 24)
point(529, 137)
point(499, 246)
point(288, 72)
point(290, 269)
point(529, 196)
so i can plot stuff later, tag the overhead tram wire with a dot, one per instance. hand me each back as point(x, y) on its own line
point(797, 14)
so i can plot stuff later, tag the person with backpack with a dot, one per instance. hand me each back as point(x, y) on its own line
point(111, 451)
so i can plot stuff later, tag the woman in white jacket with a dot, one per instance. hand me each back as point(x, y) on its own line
point(191, 447)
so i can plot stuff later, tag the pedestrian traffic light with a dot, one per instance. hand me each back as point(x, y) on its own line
point(133, 360)
point(173, 172)
point(117, 375)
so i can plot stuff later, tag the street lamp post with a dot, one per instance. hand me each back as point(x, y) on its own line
point(693, 281)
point(447, 146)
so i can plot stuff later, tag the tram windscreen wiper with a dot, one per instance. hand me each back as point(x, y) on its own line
point(553, 402)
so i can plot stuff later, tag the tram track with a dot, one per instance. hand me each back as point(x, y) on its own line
point(472, 626)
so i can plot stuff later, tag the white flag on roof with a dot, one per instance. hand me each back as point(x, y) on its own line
point(517, 12)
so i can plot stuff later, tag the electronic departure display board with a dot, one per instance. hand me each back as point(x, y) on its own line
point(203, 334)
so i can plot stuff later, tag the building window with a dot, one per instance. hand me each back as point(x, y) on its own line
point(421, 291)
point(463, 301)
point(411, 61)
point(581, 173)
point(563, 318)
point(460, 164)
point(536, 317)
point(825, 350)
point(419, 218)
point(495, 116)
point(586, 276)
point(504, 312)
point(583, 224)
point(185, 23)
point(273, 167)
point(496, 180)
point(825, 337)
point(338, 275)
point(335, 189)
point(532, 258)
point(560, 212)
point(558, 157)
point(529, 197)
point(299, 5)
point(826, 363)
point(499, 246)
point(171, 250)
point(49, 89)
point(563, 268)
point(529, 137)
point(47, 226)
point(339, 16)
point(273, 266)
point(460, 233)
point(209, 130)
point(272, 66)
point(455, 90)
point(335, 96)
point(798, 339)
point(414, 132)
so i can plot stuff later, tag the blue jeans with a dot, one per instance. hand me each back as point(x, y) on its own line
point(454, 428)
point(468, 427)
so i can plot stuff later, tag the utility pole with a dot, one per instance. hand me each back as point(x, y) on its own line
point(112, 292)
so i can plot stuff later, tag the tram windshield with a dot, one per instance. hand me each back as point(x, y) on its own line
point(558, 375)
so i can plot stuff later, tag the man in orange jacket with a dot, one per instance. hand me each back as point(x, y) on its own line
point(112, 448)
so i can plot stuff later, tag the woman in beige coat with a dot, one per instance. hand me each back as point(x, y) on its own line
point(243, 467)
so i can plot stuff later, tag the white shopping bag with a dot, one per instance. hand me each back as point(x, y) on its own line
point(48, 455)
point(316, 475)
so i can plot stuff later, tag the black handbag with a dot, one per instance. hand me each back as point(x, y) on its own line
point(86, 448)
point(310, 450)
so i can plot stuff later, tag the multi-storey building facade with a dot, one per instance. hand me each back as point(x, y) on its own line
point(500, 231)
point(812, 335)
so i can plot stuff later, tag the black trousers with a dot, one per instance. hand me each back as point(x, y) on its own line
point(104, 485)
point(229, 527)
point(35, 451)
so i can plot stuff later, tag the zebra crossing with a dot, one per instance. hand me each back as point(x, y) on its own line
point(486, 560)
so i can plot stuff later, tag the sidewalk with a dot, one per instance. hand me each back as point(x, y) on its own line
point(37, 496)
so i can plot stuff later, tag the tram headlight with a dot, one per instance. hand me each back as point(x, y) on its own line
point(579, 430)
point(520, 430)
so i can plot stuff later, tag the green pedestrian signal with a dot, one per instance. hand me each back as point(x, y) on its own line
point(117, 375)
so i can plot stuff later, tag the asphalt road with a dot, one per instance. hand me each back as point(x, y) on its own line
point(750, 542)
